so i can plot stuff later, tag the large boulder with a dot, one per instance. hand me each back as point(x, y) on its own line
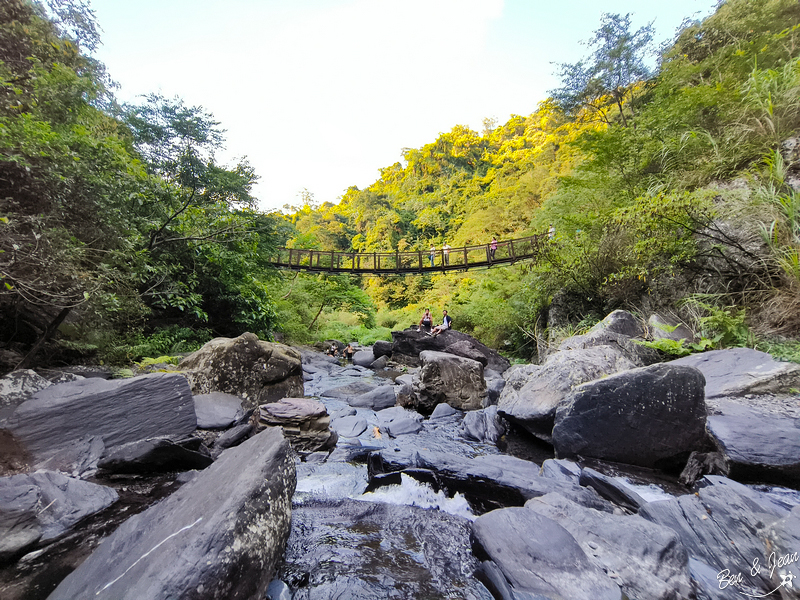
point(621, 321)
point(219, 536)
point(533, 404)
point(650, 416)
point(305, 423)
point(755, 445)
point(256, 371)
point(407, 345)
point(539, 557)
point(741, 371)
point(450, 379)
point(43, 506)
point(666, 328)
point(382, 348)
point(647, 559)
point(637, 353)
point(59, 421)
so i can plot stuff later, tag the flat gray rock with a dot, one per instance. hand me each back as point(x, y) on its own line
point(115, 411)
point(756, 446)
point(43, 506)
point(646, 559)
point(232, 519)
point(376, 399)
point(217, 410)
point(740, 371)
point(539, 556)
point(349, 426)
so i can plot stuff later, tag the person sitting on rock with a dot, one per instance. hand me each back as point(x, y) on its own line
point(447, 323)
point(426, 321)
point(334, 351)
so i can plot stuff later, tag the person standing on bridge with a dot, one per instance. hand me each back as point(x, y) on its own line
point(432, 254)
point(445, 254)
point(492, 248)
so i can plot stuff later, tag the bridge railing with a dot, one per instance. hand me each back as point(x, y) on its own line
point(418, 260)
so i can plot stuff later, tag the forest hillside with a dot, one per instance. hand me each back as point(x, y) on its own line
point(669, 187)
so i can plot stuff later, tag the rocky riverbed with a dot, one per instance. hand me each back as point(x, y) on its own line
point(410, 474)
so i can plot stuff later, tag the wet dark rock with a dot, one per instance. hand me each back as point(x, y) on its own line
point(154, 455)
point(756, 446)
point(256, 371)
point(638, 354)
point(367, 550)
point(217, 410)
point(305, 423)
point(650, 416)
point(739, 371)
point(489, 481)
point(783, 538)
point(539, 556)
point(620, 321)
point(232, 437)
point(611, 489)
point(645, 559)
point(43, 506)
point(533, 403)
point(58, 421)
point(233, 518)
point(382, 348)
point(483, 425)
point(446, 378)
point(703, 463)
point(409, 343)
point(376, 399)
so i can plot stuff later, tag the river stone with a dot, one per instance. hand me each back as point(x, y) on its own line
point(256, 371)
point(561, 469)
point(376, 399)
point(494, 385)
point(442, 411)
point(638, 354)
point(665, 328)
point(409, 343)
point(466, 349)
point(483, 426)
point(43, 506)
point(646, 559)
point(379, 363)
point(650, 416)
point(363, 358)
point(53, 422)
point(305, 423)
point(450, 379)
point(159, 455)
point(219, 536)
point(539, 556)
point(232, 437)
point(620, 321)
point(740, 371)
point(349, 426)
point(18, 386)
point(357, 550)
point(533, 405)
point(217, 410)
point(756, 446)
point(348, 390)
point(382, 348)
point(721, 528)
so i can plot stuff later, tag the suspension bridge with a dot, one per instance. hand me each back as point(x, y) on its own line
point(416, 262)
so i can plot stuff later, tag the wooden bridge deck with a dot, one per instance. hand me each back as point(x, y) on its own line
point(418, 262)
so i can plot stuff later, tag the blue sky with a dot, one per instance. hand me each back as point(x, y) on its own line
point(321, 94)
